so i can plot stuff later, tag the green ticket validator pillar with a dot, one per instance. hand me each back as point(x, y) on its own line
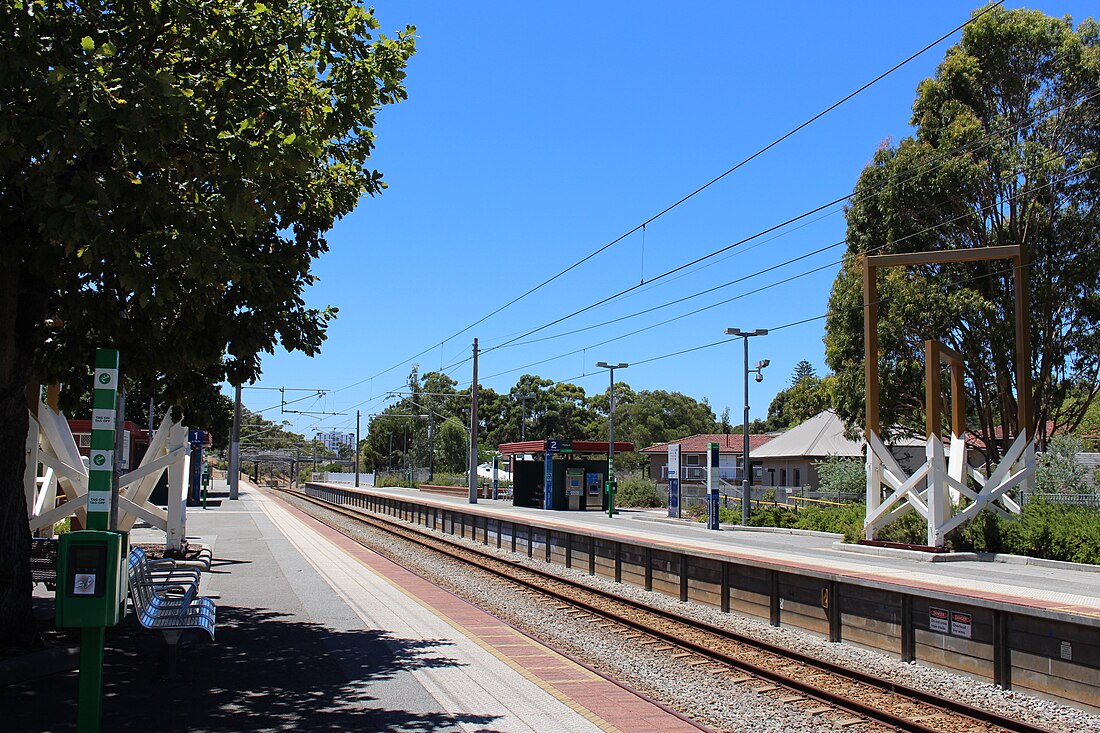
point(101, 465)
point(92, 580)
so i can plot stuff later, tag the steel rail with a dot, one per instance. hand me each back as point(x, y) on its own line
point(978, 715)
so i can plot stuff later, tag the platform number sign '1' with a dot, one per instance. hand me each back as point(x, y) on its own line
point(102, 458)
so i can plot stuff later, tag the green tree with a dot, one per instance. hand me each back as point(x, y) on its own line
point(1057, 470)
point(1005, 152)
point(802, 370)
point(841, 475)
point(805, 398)
point(167, 174)
point(648, 417)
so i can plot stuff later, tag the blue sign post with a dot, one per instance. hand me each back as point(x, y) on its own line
point(712, 486)
point(196, 438)
point(674, 480)
point(552, 447)
point(496, 476)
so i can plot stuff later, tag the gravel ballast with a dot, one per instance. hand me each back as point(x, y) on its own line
point(701, 695)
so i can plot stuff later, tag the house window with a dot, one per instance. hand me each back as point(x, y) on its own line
point(692, 459)
point(782, 477)
point(797, 478)
point(85, 440)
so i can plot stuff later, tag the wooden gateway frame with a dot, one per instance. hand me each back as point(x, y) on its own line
point(934, 488)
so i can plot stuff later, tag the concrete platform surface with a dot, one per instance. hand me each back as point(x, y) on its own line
point(318, 634)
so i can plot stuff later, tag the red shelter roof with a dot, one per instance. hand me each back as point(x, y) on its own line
point(579, 446)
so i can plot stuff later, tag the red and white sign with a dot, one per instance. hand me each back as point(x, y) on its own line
point(938, 619)
point(961, 624)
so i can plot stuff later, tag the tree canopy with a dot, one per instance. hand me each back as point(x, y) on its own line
point(167, 175)
point(1005, 152)
point(553, 410)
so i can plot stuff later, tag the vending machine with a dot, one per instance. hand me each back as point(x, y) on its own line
point(574, 488)
point(594, 491)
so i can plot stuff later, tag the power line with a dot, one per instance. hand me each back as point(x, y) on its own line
point(691, 195)
point(910, 173)
point(896, 178)
point(889, 244)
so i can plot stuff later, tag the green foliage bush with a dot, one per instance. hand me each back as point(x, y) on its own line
point(1057, 470)
point(1050, 531)
point(635, 491)
point(846, 520)
point(842, 475)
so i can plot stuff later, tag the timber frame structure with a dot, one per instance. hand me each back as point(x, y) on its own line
point(934, 489)
point(55, 480)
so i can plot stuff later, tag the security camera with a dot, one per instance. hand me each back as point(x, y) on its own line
point(759, 377)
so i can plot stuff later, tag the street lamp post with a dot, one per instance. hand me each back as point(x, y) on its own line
point(746, 480)
point(611, 487)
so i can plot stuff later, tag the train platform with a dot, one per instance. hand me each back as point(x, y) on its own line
point(315, 633)
point(1060, 589)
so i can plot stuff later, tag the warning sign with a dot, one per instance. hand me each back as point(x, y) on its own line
point(938, 619)
point(961, 624)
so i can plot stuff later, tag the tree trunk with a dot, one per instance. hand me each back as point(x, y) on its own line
point(22, 309)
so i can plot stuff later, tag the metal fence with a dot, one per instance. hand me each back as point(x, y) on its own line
point(1091, 500)
point(407, 476)
point(334, 477)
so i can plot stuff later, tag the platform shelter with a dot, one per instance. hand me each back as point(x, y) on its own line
point(561, 474)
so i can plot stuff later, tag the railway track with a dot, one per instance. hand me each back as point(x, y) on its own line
point(783, 674)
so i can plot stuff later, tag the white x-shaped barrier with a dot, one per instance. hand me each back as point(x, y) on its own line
point(55, 472)
point(935, 490)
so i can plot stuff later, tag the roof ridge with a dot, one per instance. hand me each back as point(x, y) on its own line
point(821, 430)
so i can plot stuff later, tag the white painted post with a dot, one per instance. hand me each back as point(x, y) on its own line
point(939, 502)
point(873, 468)
point(178, 472)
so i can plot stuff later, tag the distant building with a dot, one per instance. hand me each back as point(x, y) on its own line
point(334, 440)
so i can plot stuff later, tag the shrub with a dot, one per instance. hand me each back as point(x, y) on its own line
point(1050, 531)
point(846, 520)
point(1057, 470)
point(909, 529)
point(772, 516)
point(635, 491)
point(842, 476)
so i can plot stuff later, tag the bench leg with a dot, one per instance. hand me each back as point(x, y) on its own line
point(171, 658)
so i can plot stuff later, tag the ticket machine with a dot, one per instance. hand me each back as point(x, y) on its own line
point(574, 488)
point(593, 491)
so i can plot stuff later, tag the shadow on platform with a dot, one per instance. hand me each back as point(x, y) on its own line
point(264, 672)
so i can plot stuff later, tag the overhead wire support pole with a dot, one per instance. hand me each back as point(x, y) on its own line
point(235, 448)
point(473, 431)
point(357, 449)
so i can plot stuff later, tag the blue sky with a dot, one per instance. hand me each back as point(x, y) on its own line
point(536, 133)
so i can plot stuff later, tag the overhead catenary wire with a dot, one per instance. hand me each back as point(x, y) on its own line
point(899, 177)
point(689, 196)
point(924, 165)
point(892, 243)
point(843, 260)
point(969, 147)
point(720, 342)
